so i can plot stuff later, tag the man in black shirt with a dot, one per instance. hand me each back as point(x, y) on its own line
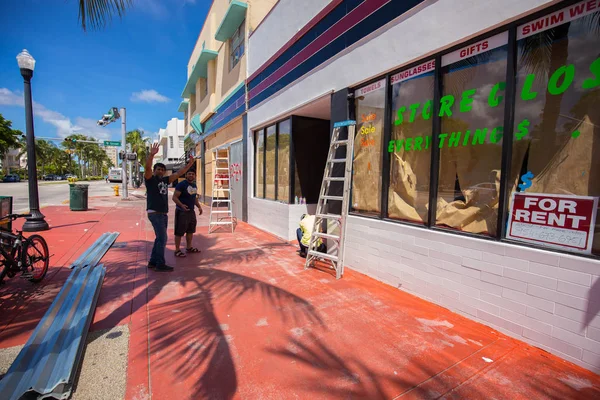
point(157, 205)
point(186, 198)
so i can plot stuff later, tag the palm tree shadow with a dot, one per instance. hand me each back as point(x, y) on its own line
point(593, 307)
point(188, 328)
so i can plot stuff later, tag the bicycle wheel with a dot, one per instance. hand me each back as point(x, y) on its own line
point(35, 257)
point(3, 267)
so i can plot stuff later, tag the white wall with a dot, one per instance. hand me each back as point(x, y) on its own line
point(428, 29)
point(269, 216)
point(175, 128)
point(280, 219)
point(541, 297)
point(286, 19)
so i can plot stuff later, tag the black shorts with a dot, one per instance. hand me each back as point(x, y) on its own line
point(185, 222)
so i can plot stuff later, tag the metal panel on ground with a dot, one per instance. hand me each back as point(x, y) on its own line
point(49, 360)
point(47, 365)
point(96, 251)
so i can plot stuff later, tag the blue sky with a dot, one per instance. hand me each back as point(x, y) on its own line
point(138, 62)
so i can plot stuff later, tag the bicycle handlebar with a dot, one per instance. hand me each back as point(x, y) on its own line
point(15, 216)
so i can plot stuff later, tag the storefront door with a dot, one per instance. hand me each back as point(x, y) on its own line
point(236, 183)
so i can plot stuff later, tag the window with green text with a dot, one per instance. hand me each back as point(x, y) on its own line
point(410, 144)
point(556, 144)
point(470, 140)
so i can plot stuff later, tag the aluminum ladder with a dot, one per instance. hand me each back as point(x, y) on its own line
point(332, 207)
point(221, 212)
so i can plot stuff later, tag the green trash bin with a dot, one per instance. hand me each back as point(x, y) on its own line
point(78, 197)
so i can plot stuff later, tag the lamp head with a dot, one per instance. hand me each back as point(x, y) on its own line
point(26, 61)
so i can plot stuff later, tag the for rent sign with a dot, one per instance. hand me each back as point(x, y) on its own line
point(561, 222)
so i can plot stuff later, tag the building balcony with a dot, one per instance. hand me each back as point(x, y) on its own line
point(183, 106)
point(199, 70)
point(235, 14)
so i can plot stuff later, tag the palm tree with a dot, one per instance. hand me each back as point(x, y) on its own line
point(138, 144)
point(44, 150)
point(98, 13)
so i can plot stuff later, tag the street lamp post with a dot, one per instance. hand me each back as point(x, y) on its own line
point(37, 221)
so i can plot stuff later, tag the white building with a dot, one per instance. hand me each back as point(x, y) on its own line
point(112, 154)
point(475, 121)
point(11, 160)
point(173, 136)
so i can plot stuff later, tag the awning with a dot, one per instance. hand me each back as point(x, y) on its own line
point(183, 106)
point(200, 70)
point(231, 20)
point(195, 123)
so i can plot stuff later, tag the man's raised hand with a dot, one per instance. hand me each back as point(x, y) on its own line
point(154, 149)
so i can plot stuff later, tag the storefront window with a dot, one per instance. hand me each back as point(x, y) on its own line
point(556, 148)
point(366, 169)
point(470, 140)
point(270, 161)
point(283, 162)
point(260, 162)
point(297, 187)
point(410, 144)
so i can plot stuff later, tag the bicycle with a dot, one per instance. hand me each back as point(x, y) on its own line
point(28, 255)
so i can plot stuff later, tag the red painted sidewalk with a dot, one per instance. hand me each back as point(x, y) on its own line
point(244, 320)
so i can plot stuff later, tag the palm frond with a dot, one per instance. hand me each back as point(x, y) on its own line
point(97, 13)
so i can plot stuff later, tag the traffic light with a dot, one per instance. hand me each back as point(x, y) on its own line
point(70, 140)
point(111, 116)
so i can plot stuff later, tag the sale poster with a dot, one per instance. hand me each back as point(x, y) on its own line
point(558, 221)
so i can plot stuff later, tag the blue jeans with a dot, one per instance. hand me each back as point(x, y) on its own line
point(159, 223)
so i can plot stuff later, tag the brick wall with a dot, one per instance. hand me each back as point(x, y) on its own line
point(547, 299)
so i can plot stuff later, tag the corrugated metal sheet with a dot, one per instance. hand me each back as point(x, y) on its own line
point(96, 251)
point(47, 364)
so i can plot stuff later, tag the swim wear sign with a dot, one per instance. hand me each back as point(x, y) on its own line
point(559, 17)
point(557, 221)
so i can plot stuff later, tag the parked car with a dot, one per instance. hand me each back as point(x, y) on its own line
point(60, 178)
point(12, 178)
point(50, 177)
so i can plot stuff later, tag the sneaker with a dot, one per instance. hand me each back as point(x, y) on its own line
point(163, 268)
point(151, 265)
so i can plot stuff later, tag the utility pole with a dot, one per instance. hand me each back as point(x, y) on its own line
point(112, 115)
point(124, 162)
point(130, 172)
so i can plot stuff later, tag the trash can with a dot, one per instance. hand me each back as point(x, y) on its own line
point(78, 197)
point(6, 208)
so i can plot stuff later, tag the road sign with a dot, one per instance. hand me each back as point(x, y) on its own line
point(112, 143)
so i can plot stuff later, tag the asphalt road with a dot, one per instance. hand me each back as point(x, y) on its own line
point(50, 193)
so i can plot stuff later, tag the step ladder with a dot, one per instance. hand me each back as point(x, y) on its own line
point(221, 212)
point(332, 207)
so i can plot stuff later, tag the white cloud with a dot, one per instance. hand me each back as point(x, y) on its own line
point(10, 98)
point(149, 96)
point(64, 126)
